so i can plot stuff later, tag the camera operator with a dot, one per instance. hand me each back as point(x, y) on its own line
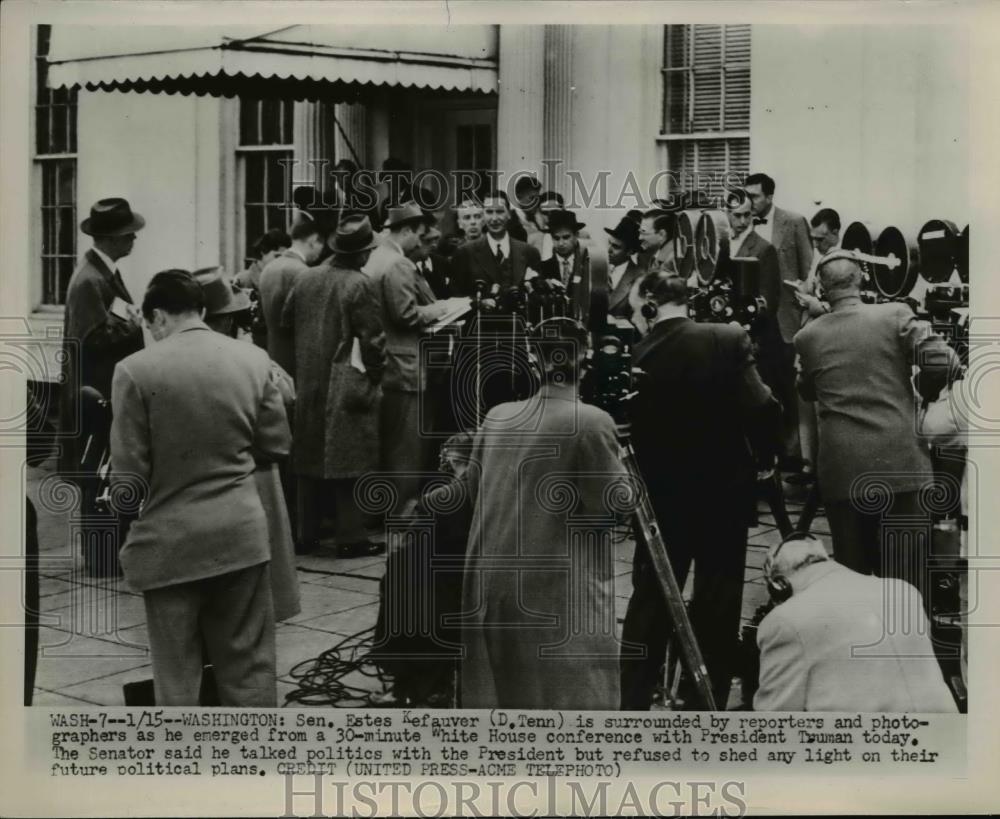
point(699, 402)
point(856, 363)
point(522, 650)
point(811, 644)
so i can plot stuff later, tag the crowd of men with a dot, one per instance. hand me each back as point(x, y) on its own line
point(246, 451)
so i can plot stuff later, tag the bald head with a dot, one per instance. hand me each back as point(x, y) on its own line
point(792, 555)
point(840, 277)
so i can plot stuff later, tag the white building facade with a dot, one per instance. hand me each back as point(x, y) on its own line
point(872, 125)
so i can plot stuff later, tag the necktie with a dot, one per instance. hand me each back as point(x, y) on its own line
point(565, 270)
point(119, 282)
point(760, 220)
point(499, 255)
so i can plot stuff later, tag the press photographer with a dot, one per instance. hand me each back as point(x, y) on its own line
point(700, 405)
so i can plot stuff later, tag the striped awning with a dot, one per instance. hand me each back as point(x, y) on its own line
point(301, 61)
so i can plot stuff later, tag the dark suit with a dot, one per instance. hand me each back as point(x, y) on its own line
point(618, 295)
point(790, 237)
point(438, 274)
point(475, 260)
point(698, 404)
point(95, 341)
point(579, 285)
point(770, 357)
point(276, 280)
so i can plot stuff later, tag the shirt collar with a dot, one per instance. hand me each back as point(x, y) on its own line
point(112, 267)
point(504, 244)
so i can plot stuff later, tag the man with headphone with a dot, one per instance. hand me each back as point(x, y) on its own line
point(698, 404)
point(838, 640)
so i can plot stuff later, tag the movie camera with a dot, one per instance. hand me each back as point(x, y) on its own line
point(728, 288)
point(930, 273)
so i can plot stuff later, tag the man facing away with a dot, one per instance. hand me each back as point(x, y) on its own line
point(190, 413)
point(276, 280)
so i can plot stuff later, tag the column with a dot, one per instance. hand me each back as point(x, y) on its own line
point(522, 98)
point(559, 93)
point(351, 133)
point(312, 146)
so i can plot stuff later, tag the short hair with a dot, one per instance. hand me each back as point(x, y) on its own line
point(497, 194)
point(661, 221)
point(839, 274)
point(552, 196)
point(175, 292)
point(762, 179)
point(561, 345)
point(470, 202)
point(274, 239)
point(634, 214)
point(793, 553)
point(664, 287)
point(734, 198)
point(828, 217)
point(304, 226)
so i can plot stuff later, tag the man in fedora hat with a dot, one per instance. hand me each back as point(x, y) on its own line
point(570, 264)
point(332, 317)
point(101, 327)
point(408, 307)
point(623, 270)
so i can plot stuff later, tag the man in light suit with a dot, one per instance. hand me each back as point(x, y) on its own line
point(788, 232)
point(497, 258)
point(623, 271)
point(831, 644)
point(276, 280)
point(856, 363)
point(408, 307)
point(101, 327)
point(190, 414)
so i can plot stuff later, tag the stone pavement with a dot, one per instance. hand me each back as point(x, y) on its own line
point(93, 636)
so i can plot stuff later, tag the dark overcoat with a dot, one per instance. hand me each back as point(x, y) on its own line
point(337, 405)
point(94, 341)
point(538, 595)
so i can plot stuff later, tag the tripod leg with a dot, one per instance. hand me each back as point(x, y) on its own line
point(775, 498)
point(809, 509)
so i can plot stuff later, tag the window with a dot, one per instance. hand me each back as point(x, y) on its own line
point(265, 143)
point(55, 164)
point(706, 99)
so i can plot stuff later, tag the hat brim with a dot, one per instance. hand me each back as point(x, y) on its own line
point(345, 252)
point(240, 302)
point(137, 223)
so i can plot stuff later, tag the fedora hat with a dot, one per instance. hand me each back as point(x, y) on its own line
point(563, 219)
point(111, 217)
point(220, 295)
point(408, 212)
point(627, 232)
point(354, 235)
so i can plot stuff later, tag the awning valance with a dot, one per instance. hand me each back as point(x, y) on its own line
point(301, 61)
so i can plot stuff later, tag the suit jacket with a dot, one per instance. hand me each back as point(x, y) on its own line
point(832, 647)
point(522, 453)
point(699, 402)
point(790, 237)
point(190, 413)
point(408, 306)
point(618, 296)
point(439, 276)
point(474, 260)
point(276, 280)
point(579, 288)
point(336, 407)
point(756, 247)
point(856, 365)
point(95, 340)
